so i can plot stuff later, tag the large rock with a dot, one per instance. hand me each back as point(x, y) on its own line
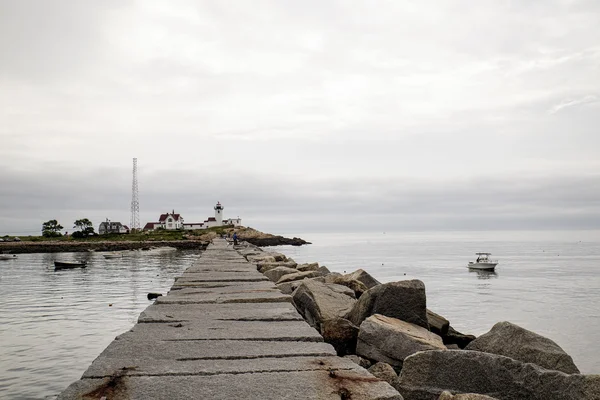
point(308, 267)
point(363, 277)
point(464, 396)
point(303, 275)
point(289, 287)
point(383, 371)
point(437, 324)
point(391, 340)
point(512, 341)
point(426, 374)
point(318, 302)
point(455, 337)
point(275, 274)
point(264, 267)
point(404, 300)
point(341, 334)
point(358, 287)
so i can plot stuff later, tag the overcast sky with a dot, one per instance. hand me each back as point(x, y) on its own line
point(302, 115)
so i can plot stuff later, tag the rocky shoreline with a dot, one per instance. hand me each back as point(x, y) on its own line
point(81, 246)
point(387, 329)
point(190, 242)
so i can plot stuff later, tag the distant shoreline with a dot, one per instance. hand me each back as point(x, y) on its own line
point(68, 246)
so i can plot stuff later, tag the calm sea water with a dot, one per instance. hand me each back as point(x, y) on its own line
point(547, 282)
point(54, 324)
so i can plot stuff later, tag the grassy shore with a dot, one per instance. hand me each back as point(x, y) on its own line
point(197, 239)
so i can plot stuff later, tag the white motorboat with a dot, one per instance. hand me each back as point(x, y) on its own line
point(8, 257)
point(113, 255)
point(483, 262)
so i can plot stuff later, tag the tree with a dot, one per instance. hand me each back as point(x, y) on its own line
point(85, 228)
point(51, 228)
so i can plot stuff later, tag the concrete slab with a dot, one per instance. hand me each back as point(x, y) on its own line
point(141, 366)
point(234, 311)
point(238, 330)
point(175, 297)
point(225, 287)
point(129, 346)
point(217, 276)
point(321, 385)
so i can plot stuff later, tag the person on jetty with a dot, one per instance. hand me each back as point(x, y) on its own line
point(235, 239)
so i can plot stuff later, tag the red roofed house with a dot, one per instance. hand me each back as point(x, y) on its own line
point(169, 221)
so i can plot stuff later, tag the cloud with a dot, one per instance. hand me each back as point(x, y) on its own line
point(325, 113)
point(590, 99)
point(516, 202)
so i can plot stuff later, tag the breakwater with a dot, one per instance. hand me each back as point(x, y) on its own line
point(80, 246)
point(224, 331)
point(221, 314)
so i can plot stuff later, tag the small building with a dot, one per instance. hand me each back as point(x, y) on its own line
point(170, 221)
point(112, 227)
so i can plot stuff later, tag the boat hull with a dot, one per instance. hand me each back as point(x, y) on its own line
point(482, 266)
point(68, 265)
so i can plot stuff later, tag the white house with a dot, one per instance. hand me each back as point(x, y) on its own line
point(169, 221)
point(175, 221)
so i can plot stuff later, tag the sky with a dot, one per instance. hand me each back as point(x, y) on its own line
point(302, 116)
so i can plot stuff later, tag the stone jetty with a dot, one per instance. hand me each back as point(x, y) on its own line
point(224, 331)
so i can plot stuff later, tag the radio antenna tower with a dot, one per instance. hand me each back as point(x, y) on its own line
point(134, 224)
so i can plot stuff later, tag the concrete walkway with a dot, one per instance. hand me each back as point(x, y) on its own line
point(223, 332)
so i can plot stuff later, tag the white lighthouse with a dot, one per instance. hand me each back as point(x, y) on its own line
point(219, 214)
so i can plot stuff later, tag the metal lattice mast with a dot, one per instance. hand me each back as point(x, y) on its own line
point(135, 201)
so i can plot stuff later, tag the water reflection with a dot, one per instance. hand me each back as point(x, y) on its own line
point(54, 323)
point(481, 274)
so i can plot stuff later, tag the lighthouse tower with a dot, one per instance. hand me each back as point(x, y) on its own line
point(219, 214)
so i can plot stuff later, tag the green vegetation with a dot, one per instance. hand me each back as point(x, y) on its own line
point(51, 229)
point(85, 227)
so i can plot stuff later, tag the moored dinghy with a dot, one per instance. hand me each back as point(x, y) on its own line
point(483, 262)
point(69, 265)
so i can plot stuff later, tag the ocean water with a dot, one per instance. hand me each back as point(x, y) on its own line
point(547, 282)
point(53, 324)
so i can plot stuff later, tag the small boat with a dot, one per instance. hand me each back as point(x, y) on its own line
point(67, 265)
point(113, 255)
point(8, 257)
point(483, 262)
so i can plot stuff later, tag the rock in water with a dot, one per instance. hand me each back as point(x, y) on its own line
point(318, 302)
point(152, 296)
point(426, 374)
point(391, 340)
point(512, 341)
point(384, 371)
point(341, 334)
point(464, 396)
point(404, 300)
